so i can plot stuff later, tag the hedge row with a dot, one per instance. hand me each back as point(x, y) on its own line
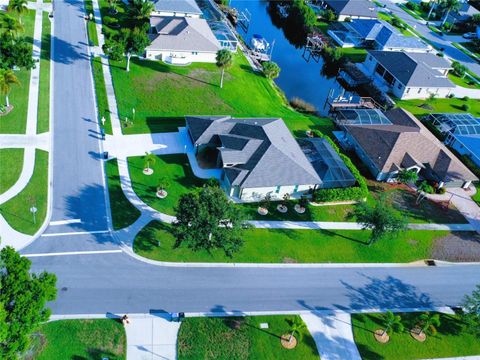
point(357, 192)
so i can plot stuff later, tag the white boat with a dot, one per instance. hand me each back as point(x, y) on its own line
point(259, 43)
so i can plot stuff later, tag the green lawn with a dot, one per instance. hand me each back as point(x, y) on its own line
point(80, 339)
point(470, 46)
point(355, 54)
point(465, 81)
point(448, 342)
point(162, 95)
point(16, 210)
point(12, 163)
point(123, 212)
point(155, 241)
point(101, 94)
point(43, 122)
point(241, 339)
point(421, 108)
point(476, 197)
point(91, 28)
point(387, 17)
point(16, 121)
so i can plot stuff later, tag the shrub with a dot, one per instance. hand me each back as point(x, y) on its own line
point(465, 107)
point(459, 69)
point(465, 98)
point(412, 6)
point(450, 96)
point(441, 190)
point(302, 106)
point(329, 15)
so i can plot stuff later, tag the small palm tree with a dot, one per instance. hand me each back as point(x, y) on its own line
point(7, 79)
point(391, 322)
point(296, 326)
point(149, 159)
point(10, 26)
point(140, 9)
point(429, 323)
point(265, 201)
point(224, 60)
point(407, 176)
point(163, 183)
point(19, 7)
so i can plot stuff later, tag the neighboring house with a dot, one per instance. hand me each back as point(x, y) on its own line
point(259, 157)
point(180, 8)
point(462, 132)
point(181, 40)
point(395, 140)
point(409, 75)
point(465, 12)
point(353, 9)
point(378, 35)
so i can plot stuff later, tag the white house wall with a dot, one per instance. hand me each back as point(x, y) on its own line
point(181, 57)
point(176, 14)
point(257, 194)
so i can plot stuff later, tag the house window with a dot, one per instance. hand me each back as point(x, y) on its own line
point(399, 85)
point(419, 90)
point(277, 190)
point(408, 90)
point(194, 53)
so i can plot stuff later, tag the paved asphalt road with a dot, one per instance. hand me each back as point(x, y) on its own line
point(118, 283)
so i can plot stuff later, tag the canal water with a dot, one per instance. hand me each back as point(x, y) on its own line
point(300, 76)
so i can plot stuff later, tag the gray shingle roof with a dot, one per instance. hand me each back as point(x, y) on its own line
point(270, 157)
point(361, 8)
point(182, 34)
point(406, 141)
point(180, 6)
point(414, 69)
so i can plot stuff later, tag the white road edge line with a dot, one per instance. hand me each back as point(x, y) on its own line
point(76, 233)
point(65, 222)
point(75, 253)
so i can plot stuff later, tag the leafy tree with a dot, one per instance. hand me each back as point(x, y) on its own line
point(207, 220)
point(114, 48)
point(296, 326)
point(448, 6)
point(391, 322)
point(113, 6)
point(407, 176)
point(10, 27)
point(459, 69)
point(15, 52)
point(19, 7)
point(429, 323)
point(224, 60)
point(329, 15)
point(302, 16)
point(149, 159)
point(22, 301)
point(381, 218)
point(140, 9)
point(471, 311)
point(135, 42)
point(271, 69)
point(332, 55)
point(7, 79)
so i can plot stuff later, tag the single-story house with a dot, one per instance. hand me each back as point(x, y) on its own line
point(259, 157)
point(465, 12)
point(179, 8)
point(409, 75)
point(395, 140)
point(378, 35)
point(462, 132)
point(353, 9)
point(181, 40)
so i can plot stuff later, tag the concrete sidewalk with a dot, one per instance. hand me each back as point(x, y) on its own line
point(152, 337)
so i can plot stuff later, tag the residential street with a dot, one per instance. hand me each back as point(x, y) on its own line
point(109, 280)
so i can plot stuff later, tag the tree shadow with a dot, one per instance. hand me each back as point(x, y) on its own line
point(66, 53)
point(367, 353)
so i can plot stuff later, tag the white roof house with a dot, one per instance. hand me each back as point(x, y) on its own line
point(181, 40)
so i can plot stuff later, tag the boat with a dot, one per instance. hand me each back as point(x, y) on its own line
point(259, 43)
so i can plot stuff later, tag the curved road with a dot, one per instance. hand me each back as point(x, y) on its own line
point(117, 283)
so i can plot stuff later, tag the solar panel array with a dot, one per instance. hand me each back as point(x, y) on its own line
point(364, 117)
point(461, 124)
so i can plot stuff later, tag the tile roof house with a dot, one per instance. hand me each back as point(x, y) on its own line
point(180, 8)
point(258, 156)
point(409, 75)
point(465, 12)
point(181, 40)
point(353, 9)
point(401, 142)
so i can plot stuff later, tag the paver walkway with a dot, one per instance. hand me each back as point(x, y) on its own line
point(151, 337)
point(333, 335)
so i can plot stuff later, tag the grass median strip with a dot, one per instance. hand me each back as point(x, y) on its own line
point(101, 94)
point(91, 27)
point(43, 122)
point(12, 163)
point(16, 211)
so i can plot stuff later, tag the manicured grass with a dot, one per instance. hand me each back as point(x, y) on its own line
point(450, 341)
point(91, 28)
point(476, 197)
point(465, 81)
point(155, 241)
point(81, 339)
point(387, 17)
point(101, 94)
point(162, 95)
point(421, 108)
point(470, 46)
point(43, 122)
point(12, 163)
point(355, 54)
point(16, 121)
point(241, 338)
point(16, 210)
point(123, 212)
point(415, 13)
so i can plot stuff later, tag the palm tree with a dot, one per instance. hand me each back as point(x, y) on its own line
point(407, 176)
point(429, 323)
point(10, 26)
point(19, 7)
point(149, 159)
point(140, 9)
point(432, 6)
point(391, 322)
point(224, 60)
point(7, 79)
point(449, 5)
point(163, 183)
point(296, 326)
